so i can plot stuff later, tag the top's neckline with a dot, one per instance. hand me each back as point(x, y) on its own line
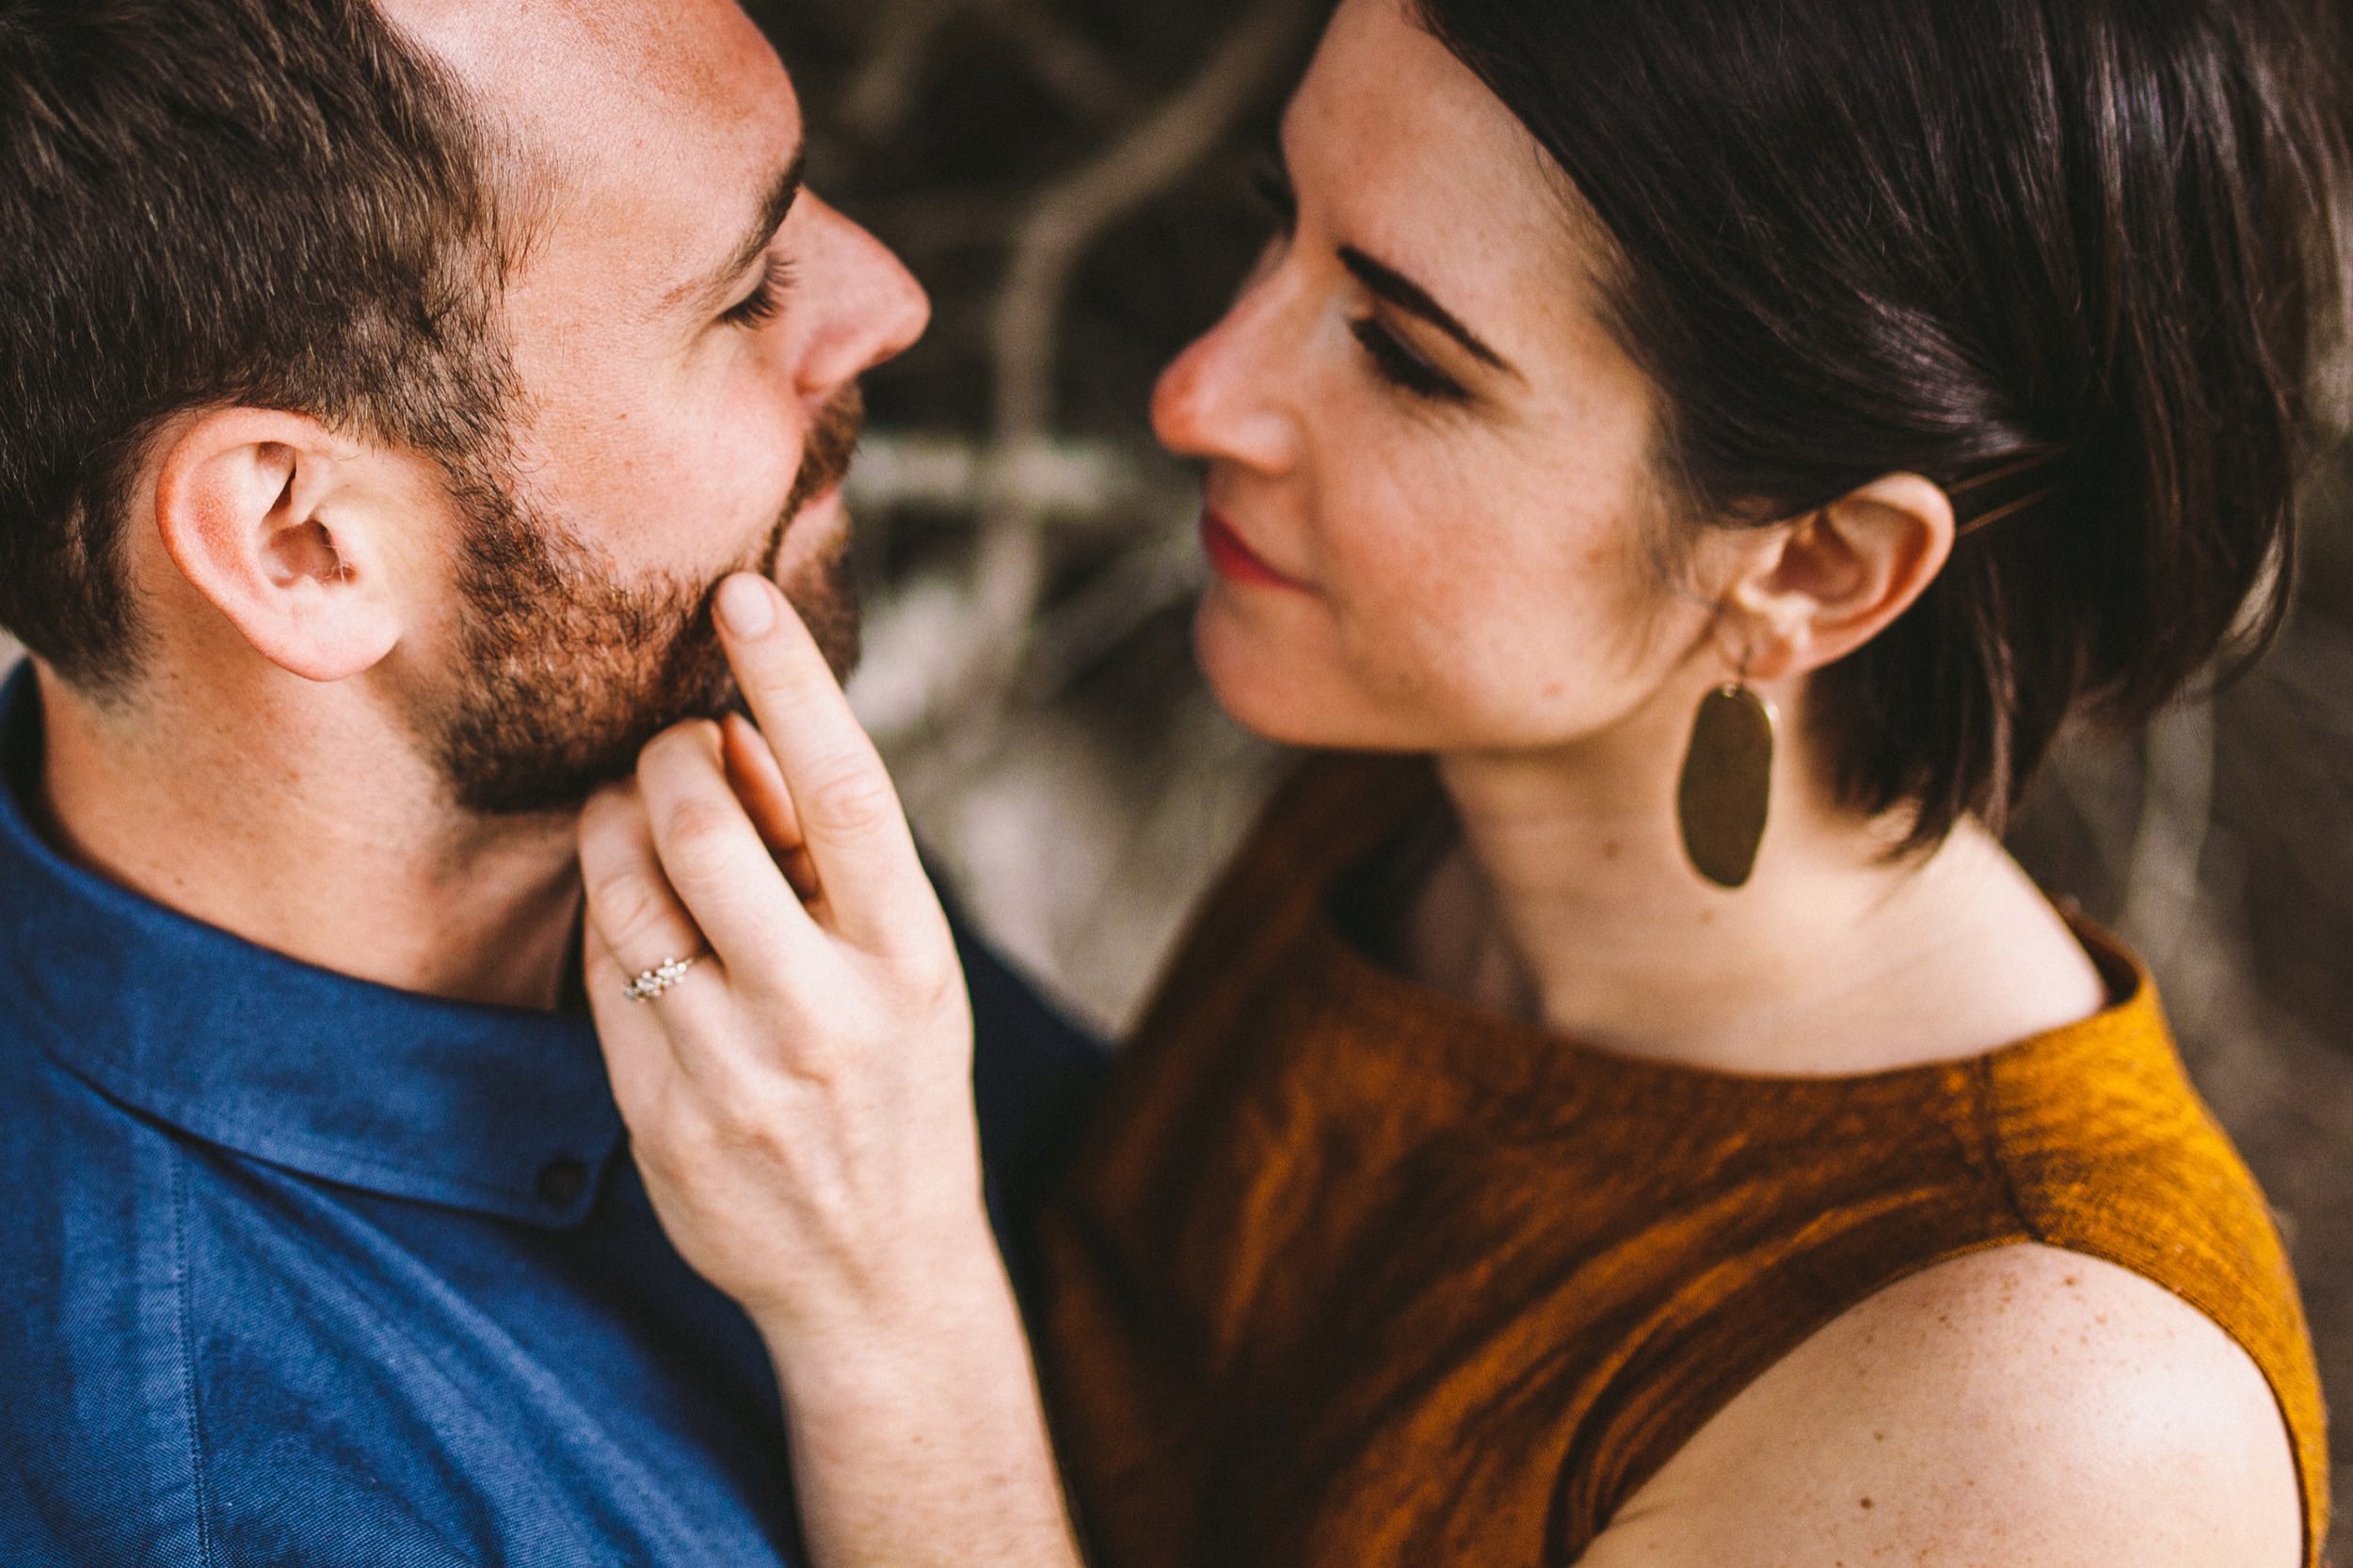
point(1513, 1055)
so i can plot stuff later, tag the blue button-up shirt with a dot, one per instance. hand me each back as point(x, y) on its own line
point(296, 1269)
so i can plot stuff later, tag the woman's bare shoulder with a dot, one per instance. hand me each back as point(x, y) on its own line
point(2023, 1406)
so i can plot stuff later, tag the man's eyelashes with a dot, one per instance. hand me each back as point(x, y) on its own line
point(766, 302)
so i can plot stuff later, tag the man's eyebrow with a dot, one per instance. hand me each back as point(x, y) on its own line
point(774, 208)
point(1387, 283)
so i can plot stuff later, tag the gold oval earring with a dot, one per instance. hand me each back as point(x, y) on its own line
point(1726, 793)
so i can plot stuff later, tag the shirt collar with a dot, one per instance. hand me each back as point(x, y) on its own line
point(491, 1110)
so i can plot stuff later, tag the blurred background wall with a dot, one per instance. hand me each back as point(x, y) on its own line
point(1069, 178)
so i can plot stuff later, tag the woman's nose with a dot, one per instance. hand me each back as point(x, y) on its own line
point(1221, 398)
point(874, 308)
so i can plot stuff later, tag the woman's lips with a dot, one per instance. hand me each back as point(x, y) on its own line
point(1235, 561)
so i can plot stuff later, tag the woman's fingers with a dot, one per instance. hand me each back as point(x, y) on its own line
point(630, 903)
point(849, 813)
point(711, 855)
point(753, 774)
point(635, 924)
point(638, 1057)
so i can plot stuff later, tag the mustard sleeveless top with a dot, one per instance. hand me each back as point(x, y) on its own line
point(1349, 1275)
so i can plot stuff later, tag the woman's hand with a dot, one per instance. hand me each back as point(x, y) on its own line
point(800, 1102)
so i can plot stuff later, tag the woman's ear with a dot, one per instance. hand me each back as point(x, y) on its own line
point(1829, 581)
point(281, 526)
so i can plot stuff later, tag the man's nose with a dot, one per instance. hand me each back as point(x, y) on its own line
point(873, 308)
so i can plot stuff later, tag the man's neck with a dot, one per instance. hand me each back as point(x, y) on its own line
point(309, 825)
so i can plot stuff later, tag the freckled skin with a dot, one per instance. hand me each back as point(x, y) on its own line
point(1478, 579)
point(666, 441)
point(281, 792)
point(2153, 1441)
point(1482, 582)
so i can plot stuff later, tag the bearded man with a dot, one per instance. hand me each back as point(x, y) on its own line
point(385, 387)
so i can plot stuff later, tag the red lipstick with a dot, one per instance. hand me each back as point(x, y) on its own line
point(1235, 561)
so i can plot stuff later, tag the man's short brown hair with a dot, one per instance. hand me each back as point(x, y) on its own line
point(279, 204)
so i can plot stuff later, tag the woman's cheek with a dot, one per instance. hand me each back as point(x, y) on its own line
point(1485, 645)
point(1416, 605)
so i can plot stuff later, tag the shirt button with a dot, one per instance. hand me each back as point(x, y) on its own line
point(561, 1181)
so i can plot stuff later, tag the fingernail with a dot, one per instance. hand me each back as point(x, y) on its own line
point(745, 606)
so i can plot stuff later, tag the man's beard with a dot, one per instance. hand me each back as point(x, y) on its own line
point(568, 671)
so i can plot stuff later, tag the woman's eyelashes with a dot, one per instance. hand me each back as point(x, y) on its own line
point(1399, 365)
point(1274, 189)
point(1393, 362)
point(766, 302)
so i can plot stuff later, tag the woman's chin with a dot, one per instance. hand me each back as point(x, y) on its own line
point(1244, 675)
point(1276, 727)
point(1275, 693)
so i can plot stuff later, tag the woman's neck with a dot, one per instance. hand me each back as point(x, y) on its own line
point(1571, 901)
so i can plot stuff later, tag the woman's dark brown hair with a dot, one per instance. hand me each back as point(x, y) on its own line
point(2072, 259)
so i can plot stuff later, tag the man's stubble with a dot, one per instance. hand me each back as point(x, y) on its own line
point(568, 671)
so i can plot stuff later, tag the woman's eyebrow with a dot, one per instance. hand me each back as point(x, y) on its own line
point(1387, 283)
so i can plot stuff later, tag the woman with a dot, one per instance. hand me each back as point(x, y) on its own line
point(1710, 448)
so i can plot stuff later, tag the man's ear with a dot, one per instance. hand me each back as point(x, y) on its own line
point(277, 523)
point(1823, 585)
